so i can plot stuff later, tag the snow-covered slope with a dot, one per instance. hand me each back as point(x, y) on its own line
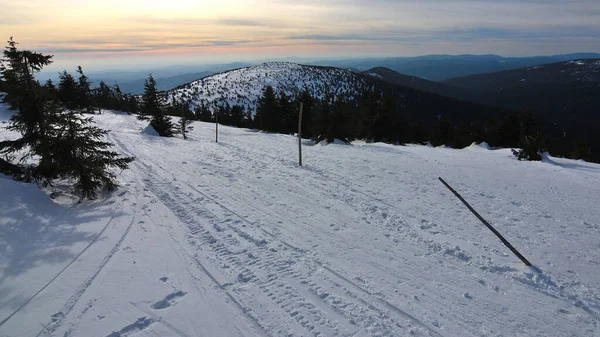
point(234, 239)
point(243, 86)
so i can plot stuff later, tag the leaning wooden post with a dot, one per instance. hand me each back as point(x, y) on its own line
point(300, 134)
point(217, 124)
point(487, 224)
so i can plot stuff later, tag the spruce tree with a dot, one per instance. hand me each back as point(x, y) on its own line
point(23, 94)
point(151, 102)
point(203, 113)
point(50, 88)
point(287, 116)
point(58, 143)
point(184, 122)
point(322, 118)
point(248, 121)
point(85, 97)
point(153, 106)
point(340, 121)
point(104, 96)
point(132, 104)
point(266, 110)
point(306, 98)
point(237, 116)
point(68, 91)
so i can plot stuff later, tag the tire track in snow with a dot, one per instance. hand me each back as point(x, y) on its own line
point(179, 205)
point(204, 269)
point(220, 243)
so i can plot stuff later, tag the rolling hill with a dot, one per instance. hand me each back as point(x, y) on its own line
point(414, 82)
point(564, 93)
point(244, 86)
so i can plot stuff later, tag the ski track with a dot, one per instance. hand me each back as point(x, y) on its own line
point(57, 318)
point(276, 267)
point(61, 271)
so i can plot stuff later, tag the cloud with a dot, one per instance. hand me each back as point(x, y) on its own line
point(241, 22)
point(92, 47)
point(503, 26)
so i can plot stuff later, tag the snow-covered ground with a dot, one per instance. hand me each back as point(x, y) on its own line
point(234, 239)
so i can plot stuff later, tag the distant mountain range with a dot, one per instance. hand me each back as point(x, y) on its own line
point(132, 82)
point(415, 82)
point(136, 87)
point(443, 67)
point(564, 93)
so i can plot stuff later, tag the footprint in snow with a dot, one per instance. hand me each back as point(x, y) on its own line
point(168, 301)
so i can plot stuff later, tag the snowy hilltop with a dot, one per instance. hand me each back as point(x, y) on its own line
point(243, 86)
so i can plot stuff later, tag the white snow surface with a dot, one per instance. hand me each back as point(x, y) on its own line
point(480, 146)
point(234, 239)
point(244, 86)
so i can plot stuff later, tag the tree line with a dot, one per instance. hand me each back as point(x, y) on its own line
point(379, 116)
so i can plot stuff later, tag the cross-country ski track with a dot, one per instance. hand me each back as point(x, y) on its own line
point(234, 239)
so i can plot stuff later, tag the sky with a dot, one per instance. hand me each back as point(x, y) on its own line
point(135, 33)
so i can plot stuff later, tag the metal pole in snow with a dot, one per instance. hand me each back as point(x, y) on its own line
point(300, 134)
point(487, 224)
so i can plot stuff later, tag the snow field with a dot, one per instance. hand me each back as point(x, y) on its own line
point(233, 239)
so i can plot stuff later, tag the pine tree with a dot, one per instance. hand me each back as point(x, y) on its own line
point(184, 122)
point(368, 115)
point(322, 118)
point(266, 110)
point(287, 116)
point(151, 102)
point(68, 92)
point(248, 121)
point(85, 99)
point(76, 151)
point(23, 94)
point(132, 104)
point(532, 144)
point(203, 113)
point(306, 98)
point(62, 143)
point(104, 96)
point(237, 116)
point(153, 106)
point(49, 91)
point(340, 121)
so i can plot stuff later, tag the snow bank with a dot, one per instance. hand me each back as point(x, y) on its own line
point(335, 142)
point(149, 130)
point(480, 146)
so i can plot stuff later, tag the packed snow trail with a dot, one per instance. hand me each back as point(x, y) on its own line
point(234, 239)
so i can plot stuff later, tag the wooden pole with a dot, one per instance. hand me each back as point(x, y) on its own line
point(217, 124)
point(487, 224)
point(300, 134)
point(182, 123)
